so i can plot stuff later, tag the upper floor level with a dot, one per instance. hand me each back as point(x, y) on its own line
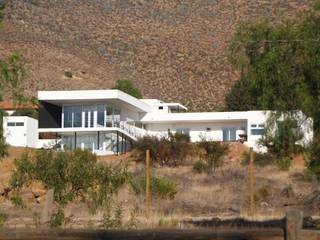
point(96, 108)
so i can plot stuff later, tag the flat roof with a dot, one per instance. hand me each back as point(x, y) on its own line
point(95, 95)
point(197, 116)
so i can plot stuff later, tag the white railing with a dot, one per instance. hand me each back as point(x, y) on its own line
point(134, 131)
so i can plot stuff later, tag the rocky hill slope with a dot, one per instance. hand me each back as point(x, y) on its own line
point(173, 50)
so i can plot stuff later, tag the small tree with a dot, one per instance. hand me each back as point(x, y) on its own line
point(128, 87)
point(11, 76)
point(214, 152)
point(72, 175)
point(281, 136)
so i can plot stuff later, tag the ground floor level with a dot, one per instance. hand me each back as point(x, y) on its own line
point(101, 143)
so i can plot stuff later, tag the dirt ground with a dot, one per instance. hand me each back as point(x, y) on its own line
point(223, 194)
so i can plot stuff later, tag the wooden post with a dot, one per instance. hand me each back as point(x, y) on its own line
point(46, 213)
point(294, 222)
point(251, 211)
point(148, 193)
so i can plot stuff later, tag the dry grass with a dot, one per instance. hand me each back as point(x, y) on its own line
point(222, 194)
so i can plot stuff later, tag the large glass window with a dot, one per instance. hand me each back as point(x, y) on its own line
point(88, 116)
point(100, 115)
point(72, 116)
point(77, 116)
point(67, 112)
point(185, 131)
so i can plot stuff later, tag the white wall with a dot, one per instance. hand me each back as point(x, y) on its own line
point(255, 117)
point(21, 136)
point(196, 129)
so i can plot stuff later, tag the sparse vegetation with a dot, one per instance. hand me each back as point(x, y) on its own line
point(112, 219)
point(26, 112)
point(262, 193)
point(161, 188)
point(3, 219)
point(57, 218)
point(128, 87)
point(171, 151)
point(199, 166)
point(72, 175)
point(260, 159)
point(17, 201)
point(214, 153)
point(2, 8)
point(11, 75)
point(313, 171)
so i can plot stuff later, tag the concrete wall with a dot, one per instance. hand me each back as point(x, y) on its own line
point(197, 130)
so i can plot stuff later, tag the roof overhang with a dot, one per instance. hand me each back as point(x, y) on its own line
point(62, 97)
point(195, 117)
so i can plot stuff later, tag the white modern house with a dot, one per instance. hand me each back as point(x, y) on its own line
point(109, 121)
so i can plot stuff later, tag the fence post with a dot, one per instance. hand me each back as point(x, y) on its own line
point(251, 211)
point(148, 193)
point(46, 213)
point(294, 222)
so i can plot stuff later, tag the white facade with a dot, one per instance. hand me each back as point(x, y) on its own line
point(108, 121)
point(20, 131)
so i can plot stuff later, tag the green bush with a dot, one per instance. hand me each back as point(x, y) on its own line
point(199, 166)
point(161, 188)
point(314, 163)
point(128, 87)
point(17, 201)
point(214, 152)
point(29, 112)
point(57, 219)
point(72, 175)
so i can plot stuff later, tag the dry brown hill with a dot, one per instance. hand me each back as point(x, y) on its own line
point(172, 49)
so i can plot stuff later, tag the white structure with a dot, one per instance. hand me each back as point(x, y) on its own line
point(20, 131)
point(108, 121)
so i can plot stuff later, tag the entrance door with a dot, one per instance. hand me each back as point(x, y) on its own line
point(229, 134)
point(88, 116)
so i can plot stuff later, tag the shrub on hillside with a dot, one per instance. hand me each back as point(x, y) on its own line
point(72, 175)
point(170, 151)
point(26, 112)
point(214, 152)
point(128, 87)
point(161, 188)
point(260, 159)
point(314, 163)
point(199, 166)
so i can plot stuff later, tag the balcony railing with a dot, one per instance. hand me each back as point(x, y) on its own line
point(130, 128)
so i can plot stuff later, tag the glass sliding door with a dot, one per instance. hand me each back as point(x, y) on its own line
point(229, 134)
point(72, 116)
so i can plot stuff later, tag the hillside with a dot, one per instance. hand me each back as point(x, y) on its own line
point(173, 50)
point(223, 194)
